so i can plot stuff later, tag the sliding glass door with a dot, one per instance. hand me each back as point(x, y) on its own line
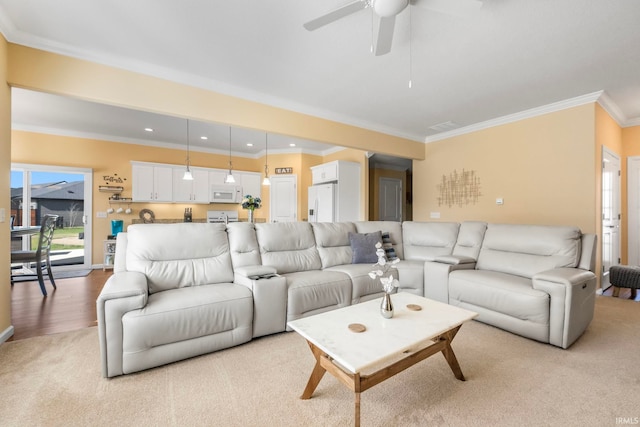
point(38, 190)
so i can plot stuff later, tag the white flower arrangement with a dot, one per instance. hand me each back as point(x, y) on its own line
point(388, 283)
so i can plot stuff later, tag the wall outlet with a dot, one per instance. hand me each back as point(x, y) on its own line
point(3, 215)
point(499, 201)
point(434, 215)
point(101, 214)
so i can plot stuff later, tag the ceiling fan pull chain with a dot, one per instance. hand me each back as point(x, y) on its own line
point(410, 48)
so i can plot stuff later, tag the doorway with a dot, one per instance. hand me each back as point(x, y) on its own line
point(610, 214)
point(38, 190)
point(283, 198)
point(390, 203)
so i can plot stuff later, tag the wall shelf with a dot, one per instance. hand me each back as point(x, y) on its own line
point(110, 189)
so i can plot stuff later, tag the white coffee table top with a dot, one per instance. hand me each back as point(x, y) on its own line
point(384, 339)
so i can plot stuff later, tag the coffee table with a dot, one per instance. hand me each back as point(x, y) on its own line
point(386, 347)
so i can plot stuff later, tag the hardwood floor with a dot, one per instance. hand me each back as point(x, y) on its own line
point(70, 307)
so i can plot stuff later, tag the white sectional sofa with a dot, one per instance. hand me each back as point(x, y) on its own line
point(181, 290)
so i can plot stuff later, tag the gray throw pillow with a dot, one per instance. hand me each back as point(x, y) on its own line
point(363, 247)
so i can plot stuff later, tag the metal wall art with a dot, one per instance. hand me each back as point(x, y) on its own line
point(459, 189)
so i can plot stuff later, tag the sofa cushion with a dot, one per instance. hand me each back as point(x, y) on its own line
point(313, 292)
point(525, 250)
point(392, 227)
point(332, 240)
point(178, 255)
point(387, 245)
point(363, 247)
point(426, 240)
point(288, 246)
point(187, 313)
point(243, 244)
point(500, 292)
point(469, 239)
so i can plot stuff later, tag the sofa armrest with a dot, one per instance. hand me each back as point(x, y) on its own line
point(454, 259)
point(254, 271)
point(269, 298)
point(436, 278)
point(123, 292)
point(572, 302)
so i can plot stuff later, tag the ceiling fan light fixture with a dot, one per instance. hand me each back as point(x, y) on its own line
point(388, 8)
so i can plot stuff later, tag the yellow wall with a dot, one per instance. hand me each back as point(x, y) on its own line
point(5, 166)
point(48, 72)
point(543, 168)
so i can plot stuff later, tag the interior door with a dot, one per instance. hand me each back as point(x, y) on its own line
point(610, 214)
point(390, 199)
point(283, 198)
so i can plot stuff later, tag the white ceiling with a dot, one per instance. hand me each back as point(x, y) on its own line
point(468, 68)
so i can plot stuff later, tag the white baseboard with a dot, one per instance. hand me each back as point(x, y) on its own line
point(6, 334)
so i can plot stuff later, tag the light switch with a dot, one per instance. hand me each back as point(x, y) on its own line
point(101, 214)
point(3, 215)
point(499, 201)
point(435, 215)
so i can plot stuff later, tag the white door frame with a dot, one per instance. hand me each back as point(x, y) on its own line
point(611, 214)
point(633, 209)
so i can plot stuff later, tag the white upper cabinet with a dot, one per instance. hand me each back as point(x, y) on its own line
point(152, 183)
point(193, 191)
point(326, 172)
point(250, 182)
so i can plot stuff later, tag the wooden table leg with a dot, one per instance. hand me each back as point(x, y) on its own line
point(316, 374)
point(449, 355)
point(357, 413)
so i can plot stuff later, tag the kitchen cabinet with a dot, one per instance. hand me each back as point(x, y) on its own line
point(251, 183)
point(152, 183)
point(326, 172)
point(217, 177)
point(194, 191)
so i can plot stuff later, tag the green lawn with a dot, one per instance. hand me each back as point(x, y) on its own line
point(62, 233)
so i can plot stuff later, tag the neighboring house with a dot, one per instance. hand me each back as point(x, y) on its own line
point(65, 199)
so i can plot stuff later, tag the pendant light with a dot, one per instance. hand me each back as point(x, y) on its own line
point(187, 173)
point(230, 179)
point(266, 180)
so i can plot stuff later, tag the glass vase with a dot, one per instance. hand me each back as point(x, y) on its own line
point(250, 216)
point(386, 307)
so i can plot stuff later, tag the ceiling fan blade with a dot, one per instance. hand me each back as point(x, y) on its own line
point(385, 35)
point(330, 17)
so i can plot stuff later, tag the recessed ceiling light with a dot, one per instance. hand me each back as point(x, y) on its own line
point(204, 137)
point(292, 145)
point(249, 144)
point(148, 130)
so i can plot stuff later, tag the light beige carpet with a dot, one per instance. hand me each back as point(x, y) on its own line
point(511, 381)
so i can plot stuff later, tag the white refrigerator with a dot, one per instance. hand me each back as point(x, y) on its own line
point(322, 203)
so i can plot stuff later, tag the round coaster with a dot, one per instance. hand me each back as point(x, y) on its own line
point(357, 327)
point(414, 307)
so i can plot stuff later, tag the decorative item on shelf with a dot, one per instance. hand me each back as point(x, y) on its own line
point(110, 189)
point(389, 284)
point(187, 173)
point(251, 203)
point(117, 226)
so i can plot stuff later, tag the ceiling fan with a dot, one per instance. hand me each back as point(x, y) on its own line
point(386, 10)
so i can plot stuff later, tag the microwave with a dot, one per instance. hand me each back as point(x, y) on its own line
point(226, 194)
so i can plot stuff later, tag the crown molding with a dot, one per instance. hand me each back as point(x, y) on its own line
point(533, 112)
